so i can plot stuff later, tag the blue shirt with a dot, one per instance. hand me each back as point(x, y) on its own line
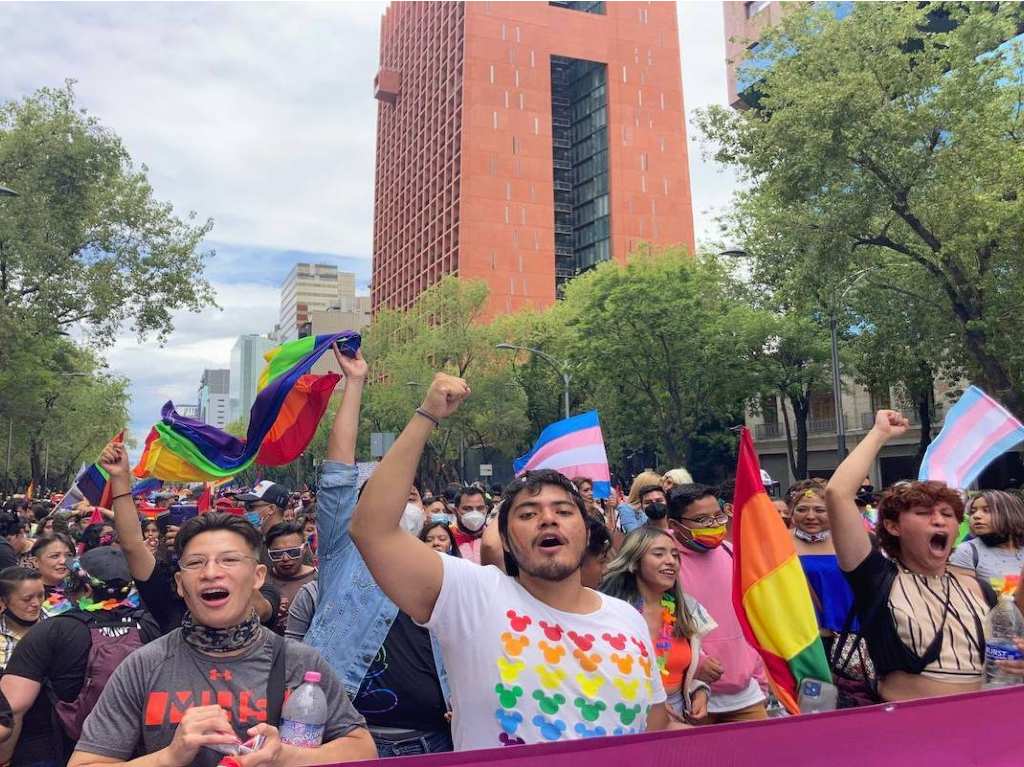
point(630, 518)
point(835, 597)
point(353, 616)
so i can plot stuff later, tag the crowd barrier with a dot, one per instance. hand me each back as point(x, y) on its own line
point(984, 729)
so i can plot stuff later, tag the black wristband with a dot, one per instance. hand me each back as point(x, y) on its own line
point(428, 416)
point(119, 495)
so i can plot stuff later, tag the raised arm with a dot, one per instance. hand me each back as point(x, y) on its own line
point(341, 444)
point(141, 561)
point(406, 570)
point(848, 533)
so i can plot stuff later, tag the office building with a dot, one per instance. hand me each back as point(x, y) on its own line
point(246, 364)
point(187, 411)
point(214, 397)
point(522, 143)
point(309, 288)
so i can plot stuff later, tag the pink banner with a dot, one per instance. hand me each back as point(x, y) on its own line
point(971, 730)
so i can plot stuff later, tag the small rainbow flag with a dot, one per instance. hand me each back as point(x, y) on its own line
point(976, 432)
point(574, 447)
point(769, 589)
point(91, 484)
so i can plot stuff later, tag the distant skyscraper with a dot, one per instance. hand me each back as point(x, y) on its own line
point(522, 143)
point(214, 394)
point(309, 288)
point(246, 364)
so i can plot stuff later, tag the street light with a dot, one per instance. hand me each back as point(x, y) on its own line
point(837, 297)
point(5, 192)
point(559, 368)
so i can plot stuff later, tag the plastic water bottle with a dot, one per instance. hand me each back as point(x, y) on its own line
point(304, 714)
point(1004, 624)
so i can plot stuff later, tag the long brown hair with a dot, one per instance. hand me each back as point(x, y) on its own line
point(1007, 512)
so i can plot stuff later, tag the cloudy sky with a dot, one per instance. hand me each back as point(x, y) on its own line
point(261, 116)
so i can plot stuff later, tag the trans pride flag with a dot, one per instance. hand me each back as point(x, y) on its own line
point(574, 447)
point(769, 589)
point(282, 421)
point(976, 432)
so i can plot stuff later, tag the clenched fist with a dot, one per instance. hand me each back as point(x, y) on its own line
point(445, 395)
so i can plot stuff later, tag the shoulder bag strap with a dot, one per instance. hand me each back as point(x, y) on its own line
point(275, 683)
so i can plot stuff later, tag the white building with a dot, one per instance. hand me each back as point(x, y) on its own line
point(214, 396)
point(246, 364)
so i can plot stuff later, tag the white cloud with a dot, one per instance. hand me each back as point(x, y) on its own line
point(260, 115)
point(702, 49)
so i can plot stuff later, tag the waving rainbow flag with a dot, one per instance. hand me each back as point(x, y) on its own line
point(769, 590)
point(282, 421)
point(977, 430)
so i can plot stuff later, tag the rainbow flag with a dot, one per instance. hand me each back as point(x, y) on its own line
point(282, 421)
point(977, 430)
point(574, 447)
point(90, 485)
point(769, 589)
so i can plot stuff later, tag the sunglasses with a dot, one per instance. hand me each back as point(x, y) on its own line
point(293, 552)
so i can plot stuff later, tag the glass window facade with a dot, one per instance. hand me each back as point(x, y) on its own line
point(585, 7)
point(579, 116)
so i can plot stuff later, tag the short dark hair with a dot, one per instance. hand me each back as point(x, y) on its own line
point(282, 529)
point(454, 549)
point(648, 489)
point(44, 541)
point(599, 540)
point(10, 577)
point(10, 522)
point(215, 520)
point(727, 490)
point(531, 482)
point(681, 497)
point(469, 490)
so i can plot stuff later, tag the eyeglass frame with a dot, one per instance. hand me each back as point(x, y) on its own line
point(201, 561)
point(719, 519)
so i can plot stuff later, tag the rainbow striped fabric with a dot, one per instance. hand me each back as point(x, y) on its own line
point(770, 592)
point(574, 447)
point(977, 430)
point(90, 485)
point(283, 419)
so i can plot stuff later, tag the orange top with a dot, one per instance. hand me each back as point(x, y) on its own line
point(677, 661)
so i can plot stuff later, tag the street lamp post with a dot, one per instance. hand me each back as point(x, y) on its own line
point(5, 192)
point(837, 379)
point(559, 368)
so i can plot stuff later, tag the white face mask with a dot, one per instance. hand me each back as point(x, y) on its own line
point(473, 520)
point(412, 519)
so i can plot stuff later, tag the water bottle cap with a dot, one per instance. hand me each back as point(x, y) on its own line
point(312, 676)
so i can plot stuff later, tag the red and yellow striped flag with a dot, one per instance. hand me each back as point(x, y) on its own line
point(769, 591)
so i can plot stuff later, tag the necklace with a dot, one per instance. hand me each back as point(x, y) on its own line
point(812, 537)
point(668, 622)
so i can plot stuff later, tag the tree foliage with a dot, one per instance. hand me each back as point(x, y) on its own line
point(893, 139)
point(85, 242)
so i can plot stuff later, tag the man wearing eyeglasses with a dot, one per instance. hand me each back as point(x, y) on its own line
point(286, 547)
point(728, 663)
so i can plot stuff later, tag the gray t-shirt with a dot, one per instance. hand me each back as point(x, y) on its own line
point(141, 705)
point(300, 611)
point(993, 561)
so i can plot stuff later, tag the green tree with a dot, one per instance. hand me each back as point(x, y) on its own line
point(893, 139)
point(659, 342)
point(86, 243)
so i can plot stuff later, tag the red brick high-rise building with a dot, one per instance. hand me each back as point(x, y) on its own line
point(524, 142)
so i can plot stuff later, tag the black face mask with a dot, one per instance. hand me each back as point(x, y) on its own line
point(994, 539)
point(656, 510)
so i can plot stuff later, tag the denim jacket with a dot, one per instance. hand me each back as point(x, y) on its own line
point(353, 616)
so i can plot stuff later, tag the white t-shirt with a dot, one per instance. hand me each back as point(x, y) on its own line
point(523, 672)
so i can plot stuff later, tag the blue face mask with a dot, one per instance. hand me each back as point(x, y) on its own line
point(439, 518)
point(254, 518)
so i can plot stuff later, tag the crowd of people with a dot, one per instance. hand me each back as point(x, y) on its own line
point(463, 617)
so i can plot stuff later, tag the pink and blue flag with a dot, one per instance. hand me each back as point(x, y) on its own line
point(976, 432)
point(574, 447)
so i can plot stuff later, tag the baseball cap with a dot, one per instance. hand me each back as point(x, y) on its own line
point(106, 564)
point(268, 491)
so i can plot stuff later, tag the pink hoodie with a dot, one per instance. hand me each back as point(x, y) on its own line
point(707, 577)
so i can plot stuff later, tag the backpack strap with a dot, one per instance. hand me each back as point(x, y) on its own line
point(975, 556)
point(881, 597)
point(275, 683)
